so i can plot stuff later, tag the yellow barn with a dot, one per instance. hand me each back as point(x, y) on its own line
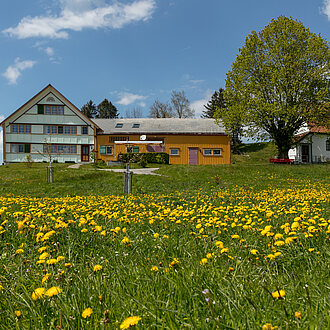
point(187, 141)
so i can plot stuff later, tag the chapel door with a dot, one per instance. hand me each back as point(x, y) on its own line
point(193, 156)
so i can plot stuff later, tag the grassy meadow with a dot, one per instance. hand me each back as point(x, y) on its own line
point(243, 246)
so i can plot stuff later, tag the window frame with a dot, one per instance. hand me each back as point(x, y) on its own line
point(21, 148)
point(173, 149)
point(50, 109)
point(212, 154)
point(84, 130)
point(327, 145)
point(60, 149)
point(136, 125)
point(20, 128)
point(119, 125)
point(106, 150)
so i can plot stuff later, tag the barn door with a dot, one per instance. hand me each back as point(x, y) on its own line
point(85, 153)
point(193, 156)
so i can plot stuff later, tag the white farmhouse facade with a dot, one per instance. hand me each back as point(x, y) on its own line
point(312, 145)
point(48, 127)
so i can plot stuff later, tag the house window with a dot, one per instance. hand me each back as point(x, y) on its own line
point(84, 130)
point(134, 149)
point(112, 139)
point(60, 149)
point(40, 109)
point(21, 148)
point(50, 109)
point(136, 126)
point(174, 152)
point(108, 150)
point(119, 125)
point(53, 129)
point(327, 145)
point(212, 152)
point(21, 128)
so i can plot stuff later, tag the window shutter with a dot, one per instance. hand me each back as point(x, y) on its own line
point(135, 149)
point(40, 109)
point(102, 150)
point(27, 148)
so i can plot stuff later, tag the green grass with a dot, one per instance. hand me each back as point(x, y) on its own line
point(181, 214)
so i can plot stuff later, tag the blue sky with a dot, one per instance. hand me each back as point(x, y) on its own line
point(132, 51)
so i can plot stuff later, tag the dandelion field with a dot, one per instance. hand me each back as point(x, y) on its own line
point(245, 248)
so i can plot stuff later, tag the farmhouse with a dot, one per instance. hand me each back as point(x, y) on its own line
point(187, 141)
point(48, 126)
point(311, 145)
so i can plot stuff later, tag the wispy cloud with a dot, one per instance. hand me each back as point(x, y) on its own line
point(326, 8)
point(76, 15)
point(49, 51)
point(129, 98)
point(198, 105)
point(14, 71)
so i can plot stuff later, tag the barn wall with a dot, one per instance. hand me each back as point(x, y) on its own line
point(181, 142)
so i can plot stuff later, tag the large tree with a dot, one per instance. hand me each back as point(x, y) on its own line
point(160, 110)
point(278, 82)
point(181, 105)
point(106, 110)
point(89, 109)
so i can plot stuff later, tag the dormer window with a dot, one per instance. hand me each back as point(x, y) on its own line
point(136, 126)
point(119, 125)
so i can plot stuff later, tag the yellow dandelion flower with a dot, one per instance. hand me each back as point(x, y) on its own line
point(53, 291)
point(219, 244)
point(156, 235)
point(87, 312)
point(68, 264)
point(38, 293)
point(84, 230)
point(130, 321)
point(224, 250)
point(51, 261)
point(42, 249)
point(204, 261)
point(297, 315)
point(154, 269)
point(43, 256)
point(278, 294)
point(19, 251)
point(45, 278)
point(18, 313)
point(279, 243)
point(97, 268)
point(254, 251)
point(210, 255)
point(59, 258)
point(268, 326)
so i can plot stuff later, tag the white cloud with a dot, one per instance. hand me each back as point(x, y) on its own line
point(76, 15)
point(326, 8)
point(198, 105)
point(129, 98)
point(49, 51)
point(14, 71)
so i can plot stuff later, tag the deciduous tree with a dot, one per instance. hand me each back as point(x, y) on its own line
point(278, 82)
point(181, 105)
point(160, 110)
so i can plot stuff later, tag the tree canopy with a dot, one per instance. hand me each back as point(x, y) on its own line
point(217, 101)
point(160, 110)
point(89, 109)
point(278, 82)
point(106, 110)
point(181, 105)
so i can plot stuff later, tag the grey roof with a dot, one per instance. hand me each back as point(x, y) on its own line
point(160, 126)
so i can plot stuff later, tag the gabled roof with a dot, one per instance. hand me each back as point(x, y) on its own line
point(160, 126)
point(312, 129)
point(36, 98)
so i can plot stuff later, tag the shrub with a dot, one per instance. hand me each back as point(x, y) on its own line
point(149, 157)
